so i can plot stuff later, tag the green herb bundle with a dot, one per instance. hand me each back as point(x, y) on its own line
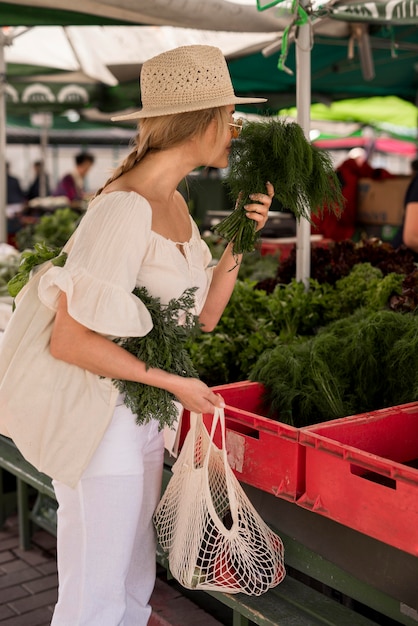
point(31, 259)
point(302, 175)
point(163, 347)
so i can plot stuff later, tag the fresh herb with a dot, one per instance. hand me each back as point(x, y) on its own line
point(243, 332)
point(163, 347)
point(302, 175)
point(9, 265)
point(364, 362)
point(54, 230)
point(31, 259)
point(255, 320)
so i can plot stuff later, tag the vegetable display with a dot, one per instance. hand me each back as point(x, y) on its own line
point(302, 175)
point(345, 345)
point(52, 230)
point(329, 264)
point(361, 363)
point(255, 320)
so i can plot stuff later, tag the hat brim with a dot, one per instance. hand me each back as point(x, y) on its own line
point(185, 107)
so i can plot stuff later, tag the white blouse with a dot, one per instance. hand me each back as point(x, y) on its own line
point(114, 251)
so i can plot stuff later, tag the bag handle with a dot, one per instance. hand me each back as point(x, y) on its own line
point(195, 419)
point(219, 417)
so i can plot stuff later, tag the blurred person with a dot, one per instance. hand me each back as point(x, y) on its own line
point(15, 200)
point(72, 184)
point(349, 172)
point(35, 189)
point(15, 195)
point(408, 233)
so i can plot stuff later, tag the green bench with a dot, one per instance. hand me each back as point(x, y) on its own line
point(28, 482)
point(292, 603)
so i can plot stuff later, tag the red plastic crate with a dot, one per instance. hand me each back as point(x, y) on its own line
point(362, 471)
point(285, 245)
point(262, 452)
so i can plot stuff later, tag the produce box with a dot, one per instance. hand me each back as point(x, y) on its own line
point(381, 201)
point(262, 452)
point(284, 245)
point(362, 471)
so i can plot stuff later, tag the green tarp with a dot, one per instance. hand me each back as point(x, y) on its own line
point(333, 75)
point(386, 113)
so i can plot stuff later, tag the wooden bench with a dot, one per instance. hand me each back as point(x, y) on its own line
point(292, 603)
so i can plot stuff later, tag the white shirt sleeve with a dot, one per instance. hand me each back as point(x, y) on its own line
point(101, 269)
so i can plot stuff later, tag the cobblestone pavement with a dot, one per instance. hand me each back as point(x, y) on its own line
point(28, 586)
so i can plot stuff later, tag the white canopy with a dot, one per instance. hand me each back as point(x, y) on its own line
point(198, 14)
point(112, 54)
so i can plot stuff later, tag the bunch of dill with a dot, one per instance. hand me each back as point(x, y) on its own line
point(163, 347)
point(302, 175)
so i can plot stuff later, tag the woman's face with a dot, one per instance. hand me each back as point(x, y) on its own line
point(217, 142)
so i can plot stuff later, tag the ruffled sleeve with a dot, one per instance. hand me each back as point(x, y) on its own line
point(100, 272)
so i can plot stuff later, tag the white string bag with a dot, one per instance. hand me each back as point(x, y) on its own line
point(214, 538)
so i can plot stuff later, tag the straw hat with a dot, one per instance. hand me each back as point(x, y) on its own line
point(189, 78)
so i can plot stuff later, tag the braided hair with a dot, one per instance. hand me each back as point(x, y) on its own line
point(168, 131)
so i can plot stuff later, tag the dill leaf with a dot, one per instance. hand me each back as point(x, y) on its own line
point(302, 175)
point(163, 347)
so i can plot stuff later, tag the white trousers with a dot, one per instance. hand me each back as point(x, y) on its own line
point(106, 540)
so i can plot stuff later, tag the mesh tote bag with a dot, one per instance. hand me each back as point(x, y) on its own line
point(214, 538)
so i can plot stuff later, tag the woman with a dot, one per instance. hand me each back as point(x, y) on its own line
point(137, 232)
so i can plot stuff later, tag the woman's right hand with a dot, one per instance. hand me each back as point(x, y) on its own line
point(196, 396)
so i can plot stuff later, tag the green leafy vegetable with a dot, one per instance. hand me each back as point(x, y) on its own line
point(9, 265)
point(255, 320)
point(29, 260)
point(54, 230)
point(243, 332)
point(163, 347)
point(364, 362)
point(303, 177)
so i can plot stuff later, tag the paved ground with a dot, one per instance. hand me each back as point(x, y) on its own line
point(28, 587)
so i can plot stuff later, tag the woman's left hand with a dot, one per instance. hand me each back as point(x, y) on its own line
point(258, 210)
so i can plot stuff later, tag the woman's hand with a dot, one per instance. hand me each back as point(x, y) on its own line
point(195, 395)
point(258, 210)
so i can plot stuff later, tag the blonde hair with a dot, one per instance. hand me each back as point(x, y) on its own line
point(168, 131)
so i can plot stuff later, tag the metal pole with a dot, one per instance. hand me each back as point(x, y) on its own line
point(303, 103)
point(44, 145)
point(3, 180)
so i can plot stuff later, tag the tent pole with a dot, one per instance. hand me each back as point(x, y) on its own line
point(44, 145)
point(303, 104)
point(3, 179)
